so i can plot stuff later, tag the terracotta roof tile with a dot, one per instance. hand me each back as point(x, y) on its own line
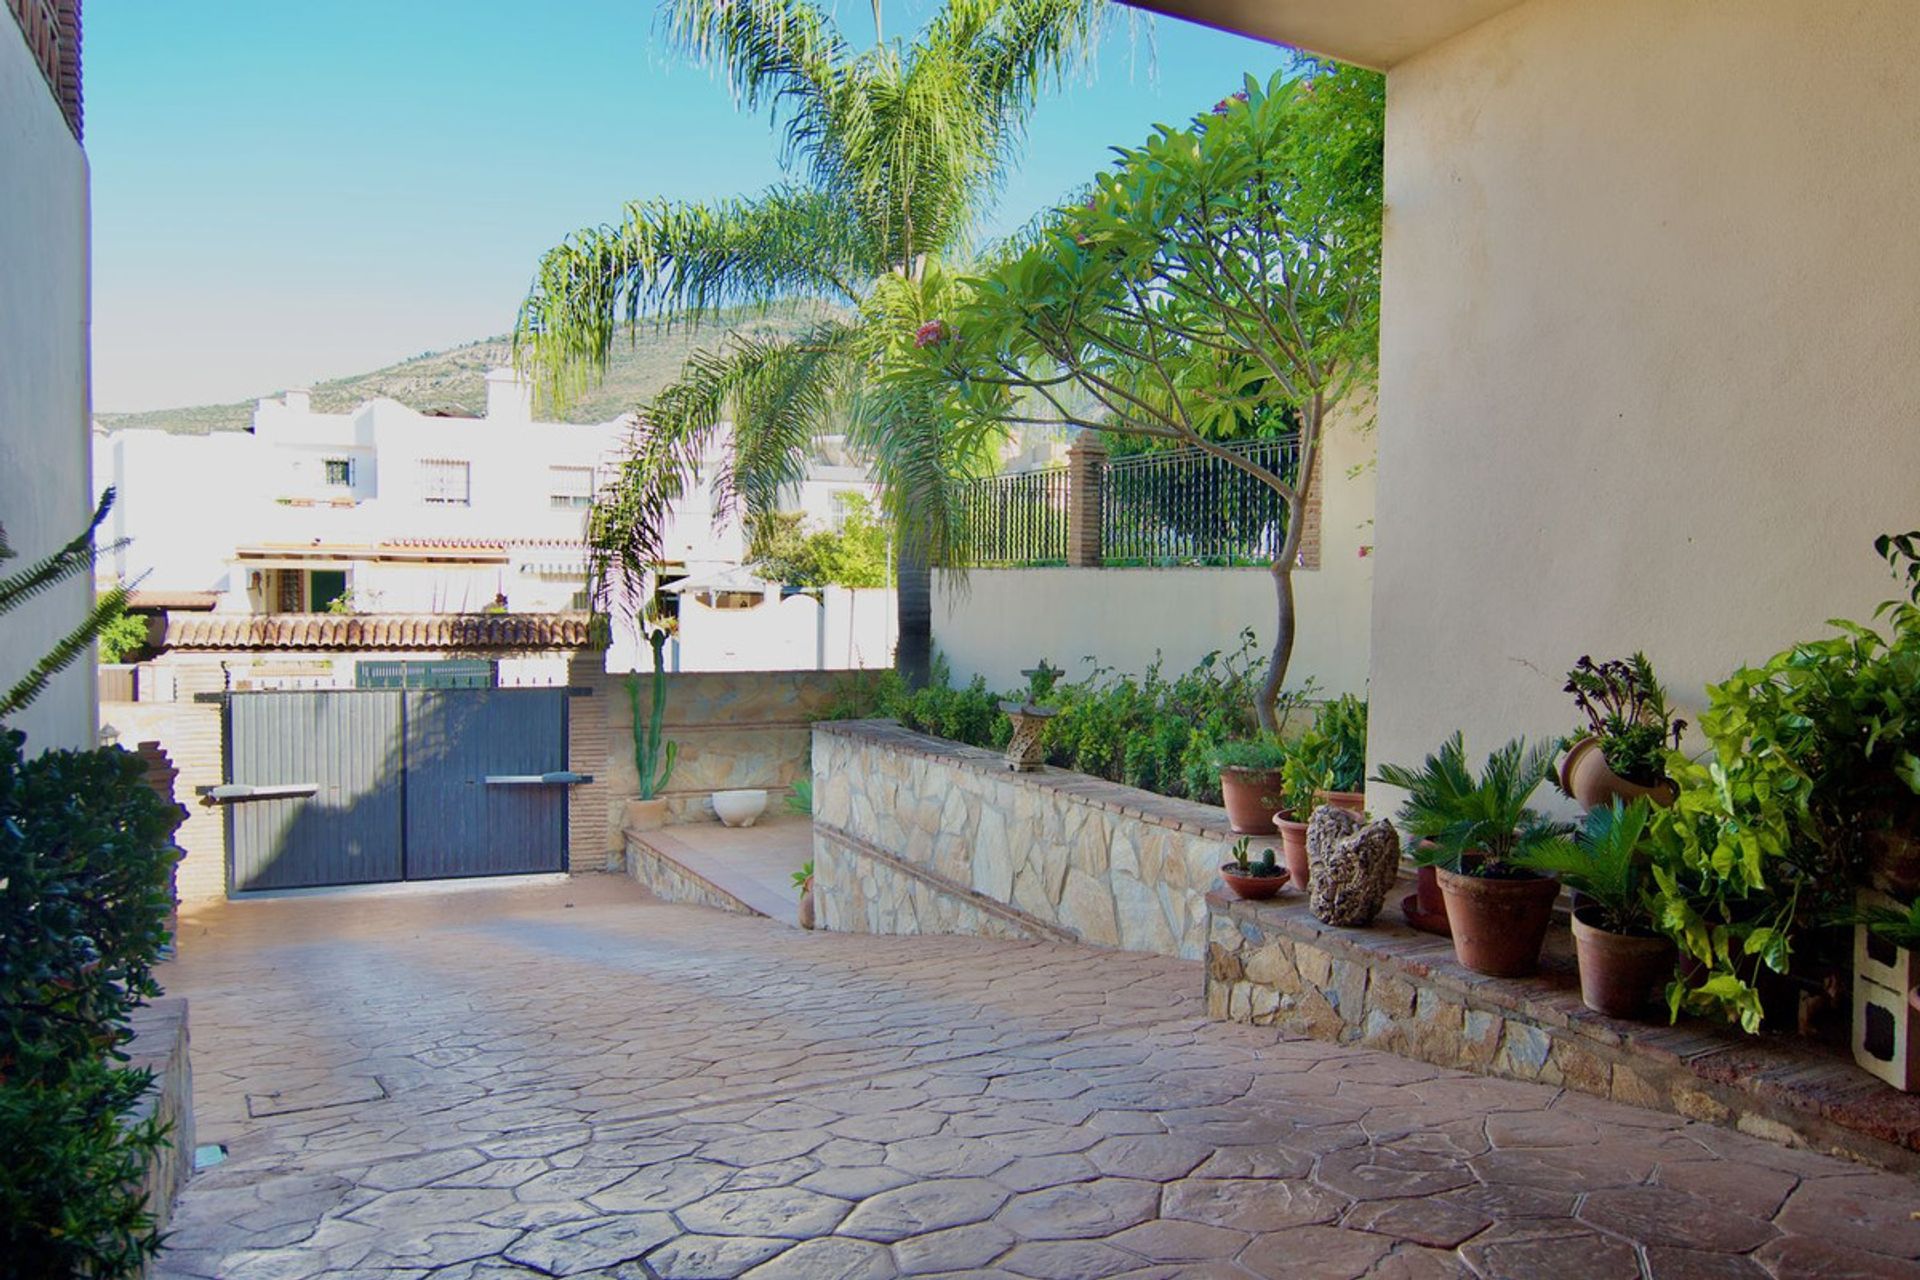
point(461, 631)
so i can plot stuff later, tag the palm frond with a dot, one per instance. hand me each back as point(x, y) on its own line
point(683, 262)
point(72, 647)
point(78, 556)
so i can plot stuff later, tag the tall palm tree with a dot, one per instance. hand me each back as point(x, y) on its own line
point(894, 151)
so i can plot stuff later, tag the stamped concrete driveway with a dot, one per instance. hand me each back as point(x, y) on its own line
point(575, 1080)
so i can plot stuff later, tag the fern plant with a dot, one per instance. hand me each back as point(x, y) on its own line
point(1488, 815)
point(653, 758)
point(77, 557)
point(1606, 861)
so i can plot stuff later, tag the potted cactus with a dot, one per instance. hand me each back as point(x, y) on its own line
point(653, 758)
point(1252, 878)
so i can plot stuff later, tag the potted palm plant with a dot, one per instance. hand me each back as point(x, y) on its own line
point(1251, 781)
point(1480, 830)
point(1621, 750)
point(1622, 957)
point(653, 757)
point(1252, 878)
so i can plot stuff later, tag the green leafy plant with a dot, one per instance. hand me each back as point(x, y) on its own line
point(1626, 709)
point(804, 876)
point(1335, 745)
point(800, 799)
point(1220, 277)
point(653, 758)
point(1901, 928)
point(1486, 815)
point(124, 635)
point(855, 554)
point(1251, 753)
point(1245, 864)
point(1608, 861)
point(85, 865)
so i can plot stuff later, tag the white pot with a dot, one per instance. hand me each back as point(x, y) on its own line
point(739, 808)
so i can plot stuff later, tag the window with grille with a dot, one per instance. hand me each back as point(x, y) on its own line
point(569, 488)
point(446, 482)
point(340, 472)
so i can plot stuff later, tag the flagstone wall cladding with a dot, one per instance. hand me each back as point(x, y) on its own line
point(1387, 987)
point(914, 834)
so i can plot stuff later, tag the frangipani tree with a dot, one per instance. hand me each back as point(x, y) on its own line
point(1216, 276)
point(895, 150)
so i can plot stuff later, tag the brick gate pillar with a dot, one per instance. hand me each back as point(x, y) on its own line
point(1086, 464)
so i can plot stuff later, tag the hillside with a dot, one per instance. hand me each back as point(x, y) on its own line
point(455, 379)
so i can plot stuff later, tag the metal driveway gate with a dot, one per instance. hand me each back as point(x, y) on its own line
point(361, 786)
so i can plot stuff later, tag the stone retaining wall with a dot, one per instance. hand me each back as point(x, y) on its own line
point(1388, 987)
point(160, 1045)
point(914, 834)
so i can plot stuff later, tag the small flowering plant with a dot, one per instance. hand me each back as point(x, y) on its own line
point(1626, 709)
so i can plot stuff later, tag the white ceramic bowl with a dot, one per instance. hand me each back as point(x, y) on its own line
point(739, 808)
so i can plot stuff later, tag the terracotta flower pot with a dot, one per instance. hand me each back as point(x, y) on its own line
point(646, 815)
point(1498, 924)
point(806, 905)
point(1426, 891)
point(1253, 888)
point(1585, 775)
point(1618, 971)
point(1250, 796)
point(1293, 847)
point(1351, 801)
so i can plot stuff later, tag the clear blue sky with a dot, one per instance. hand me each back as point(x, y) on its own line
point(289, 191)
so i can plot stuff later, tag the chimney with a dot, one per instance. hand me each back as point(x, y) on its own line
point(509, 397)
point(298, 400)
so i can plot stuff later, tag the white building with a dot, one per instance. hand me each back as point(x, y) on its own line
point(389, 510)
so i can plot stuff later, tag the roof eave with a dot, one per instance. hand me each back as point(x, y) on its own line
point(1368, 33)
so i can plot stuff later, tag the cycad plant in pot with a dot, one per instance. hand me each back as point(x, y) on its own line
point(1251, 782)
point(1479, 831)
point(1622, 957)
point(1621, 750)
point(653, 757)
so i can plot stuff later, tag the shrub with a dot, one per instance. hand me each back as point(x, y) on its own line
point(85, 856)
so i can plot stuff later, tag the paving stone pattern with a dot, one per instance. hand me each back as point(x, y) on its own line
point(577, 1080)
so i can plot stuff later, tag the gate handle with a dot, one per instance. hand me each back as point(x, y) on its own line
point(558, 778)
point(233, 793)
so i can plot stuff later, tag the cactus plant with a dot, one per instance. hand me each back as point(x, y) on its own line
point(652, 759)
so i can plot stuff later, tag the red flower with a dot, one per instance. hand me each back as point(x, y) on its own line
point(932, 333)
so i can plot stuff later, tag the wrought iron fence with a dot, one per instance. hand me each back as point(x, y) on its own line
point(1018, 519)
point(1186, 506)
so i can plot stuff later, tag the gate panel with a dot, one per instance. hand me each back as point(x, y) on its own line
point(344, 744)
point(459, 824)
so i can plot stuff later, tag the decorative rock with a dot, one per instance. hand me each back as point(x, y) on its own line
point(1354, 865)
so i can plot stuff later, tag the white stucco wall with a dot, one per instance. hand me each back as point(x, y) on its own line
point(45, 495)
point(1000, 621)
point(1649, 349)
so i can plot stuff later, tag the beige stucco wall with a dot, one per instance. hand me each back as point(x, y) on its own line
point(999, 621)
point(1649, 350)
point(44, 486)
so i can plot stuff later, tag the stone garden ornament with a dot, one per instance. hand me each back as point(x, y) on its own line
point(1354, 864)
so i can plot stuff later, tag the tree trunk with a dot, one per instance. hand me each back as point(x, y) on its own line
point(1269, 696)
point(913, 654)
